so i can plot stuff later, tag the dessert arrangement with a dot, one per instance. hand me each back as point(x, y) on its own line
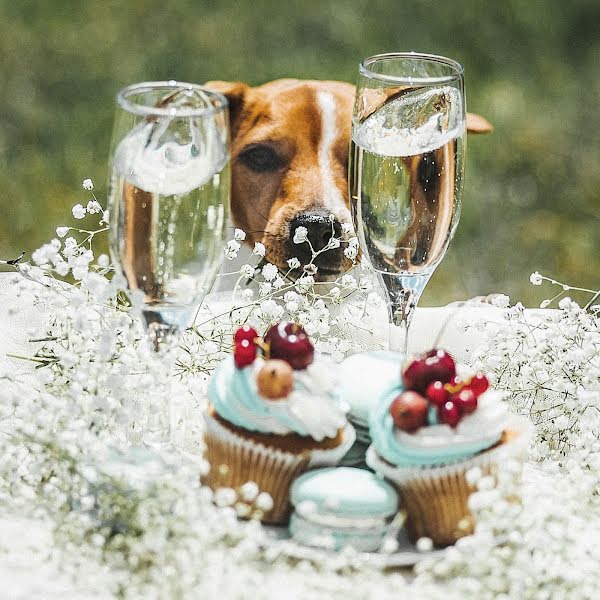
point(345, 448)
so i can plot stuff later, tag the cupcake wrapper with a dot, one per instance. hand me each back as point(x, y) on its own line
point(236, 460)
point(436, 498)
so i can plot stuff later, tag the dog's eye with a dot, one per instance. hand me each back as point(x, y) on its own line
point(261, 159)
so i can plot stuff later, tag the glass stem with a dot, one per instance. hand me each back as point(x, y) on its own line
point(402, 309)
point(403, 294)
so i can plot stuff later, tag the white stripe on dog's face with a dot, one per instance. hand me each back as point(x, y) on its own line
point(332, 198)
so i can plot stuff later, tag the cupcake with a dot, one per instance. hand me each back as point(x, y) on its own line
point(425, 440)
point(343, 506)
point(361, 393)
point(274, 412)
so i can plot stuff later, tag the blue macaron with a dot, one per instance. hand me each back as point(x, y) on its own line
point(342, 506)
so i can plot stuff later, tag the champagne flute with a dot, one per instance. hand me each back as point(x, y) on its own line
point(406, 172)
point(169, 198)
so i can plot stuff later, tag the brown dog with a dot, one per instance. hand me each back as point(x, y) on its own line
point(290, 141)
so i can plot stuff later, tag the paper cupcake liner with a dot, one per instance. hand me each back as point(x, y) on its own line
point(436, 498)
point(236, 460)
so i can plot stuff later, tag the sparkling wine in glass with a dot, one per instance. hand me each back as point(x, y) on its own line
point(406, 172)
point(169, 196)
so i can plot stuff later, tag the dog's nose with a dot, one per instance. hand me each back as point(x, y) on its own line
point(320, 228)
point(319, 225)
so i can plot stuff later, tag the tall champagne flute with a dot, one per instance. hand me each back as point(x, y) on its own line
point(169, 198)
point(406, 172)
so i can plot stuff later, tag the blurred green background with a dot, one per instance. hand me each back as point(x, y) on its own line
point(532, 189)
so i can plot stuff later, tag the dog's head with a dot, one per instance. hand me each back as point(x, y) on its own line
point(289, 166)
point(290, 142)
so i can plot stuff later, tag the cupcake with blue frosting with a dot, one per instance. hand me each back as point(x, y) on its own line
point(427, 430)
point(274, 412)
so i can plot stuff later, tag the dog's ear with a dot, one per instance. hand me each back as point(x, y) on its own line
point(235, 92)
point(478, 124)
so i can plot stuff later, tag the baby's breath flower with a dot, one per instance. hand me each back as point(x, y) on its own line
point(293, 263)
point(300, 235)
point(249, 491)
point(78, 211)
point(247, 271)
point(350, 252)
point(269, 272)
point(536, 279)
point(225, 496)
point(264, 502)
point(239, 235)
point(259, 249)
point(62, 231)
point(93, 207)
point(88, 184)
point(103, 261)
point(500, 300)
point(265, 288)
point(231, 249)
point(304, 283)
point(348, 281)
point(424, 544)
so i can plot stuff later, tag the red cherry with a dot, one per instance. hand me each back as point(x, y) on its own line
point(437, 393)
point(289, 342)
point(436, 365)
point(414, 376)
point(449, 413)
point(466, 400)
point(444, 365)
point(479, 384)
point(244, 354)
point(409, 411)
point(245, 332)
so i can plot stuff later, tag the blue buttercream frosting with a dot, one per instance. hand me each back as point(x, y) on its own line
point(312, 409)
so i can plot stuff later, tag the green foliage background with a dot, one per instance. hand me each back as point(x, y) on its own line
point(532, 189)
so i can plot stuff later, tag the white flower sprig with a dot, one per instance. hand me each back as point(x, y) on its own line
point(549, 365)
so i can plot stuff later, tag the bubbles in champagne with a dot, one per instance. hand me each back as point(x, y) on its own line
point(405, 178)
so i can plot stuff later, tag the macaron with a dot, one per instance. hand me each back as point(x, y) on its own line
point(337, 507)
point(364, 377)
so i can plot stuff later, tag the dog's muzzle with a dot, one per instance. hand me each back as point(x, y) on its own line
point(320, 229)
